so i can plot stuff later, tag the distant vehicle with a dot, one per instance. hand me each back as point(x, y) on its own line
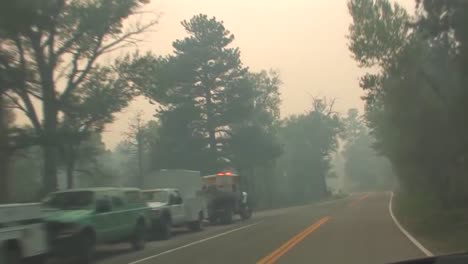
point(79, 219)
point(224, 197)
point(23, 235)
point(175, 199)
point(170, 209)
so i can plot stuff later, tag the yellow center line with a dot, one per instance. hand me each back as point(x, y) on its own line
point(353, 203)
point(279, 252)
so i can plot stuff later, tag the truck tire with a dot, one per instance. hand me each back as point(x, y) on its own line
point(41, 259)
point(86, 244)
point(164, 229)
point(226, 218)
point(13, 253)
point(138, 240)
point(212, 216)
point(198, 224)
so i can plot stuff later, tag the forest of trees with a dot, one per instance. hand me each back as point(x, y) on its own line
point(415, 92)
point(211, 112)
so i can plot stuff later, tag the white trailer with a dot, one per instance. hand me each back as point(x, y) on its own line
point(23, 234)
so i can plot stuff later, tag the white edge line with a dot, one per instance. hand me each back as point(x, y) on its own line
point(406, 233)
point(194, 243)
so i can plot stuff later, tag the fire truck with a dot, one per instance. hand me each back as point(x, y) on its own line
point(225, 198)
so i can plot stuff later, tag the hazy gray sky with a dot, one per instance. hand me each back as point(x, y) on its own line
point(304, 39)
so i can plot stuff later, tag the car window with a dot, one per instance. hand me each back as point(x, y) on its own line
point(133, 197)
point(103, 205)
point(178, 197)
point(156, 196)
point(70, 200)
point(117, 202)
point(175, 198)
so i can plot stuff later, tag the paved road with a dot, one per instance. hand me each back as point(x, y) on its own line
point(355, 230)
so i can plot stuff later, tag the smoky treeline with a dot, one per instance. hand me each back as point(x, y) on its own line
point(416, 92)
point(211, 112)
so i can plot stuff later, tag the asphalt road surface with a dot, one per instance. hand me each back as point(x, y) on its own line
point(355, 230)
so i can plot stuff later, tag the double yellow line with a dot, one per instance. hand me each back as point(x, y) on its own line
point(275, 255)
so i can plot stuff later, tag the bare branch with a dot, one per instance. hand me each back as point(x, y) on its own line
point(72, 82)
point(330, 107)
point(137, 31)
point(22, 92)
point(37, 96)
point(71, 75)
point(16, 104)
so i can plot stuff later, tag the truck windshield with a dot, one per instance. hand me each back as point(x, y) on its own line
point(156, 196)
point(70, 200)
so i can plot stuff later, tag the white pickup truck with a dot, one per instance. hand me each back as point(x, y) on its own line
point(23, 235)
point(169, 209)
point(176, 199)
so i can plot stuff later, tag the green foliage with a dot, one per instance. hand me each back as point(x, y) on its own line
point(364, 169)
point(415, 103)
point(54, 46)
point(205, 95)
point(309, 142)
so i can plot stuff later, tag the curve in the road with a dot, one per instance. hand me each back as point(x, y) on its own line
point(405, 232)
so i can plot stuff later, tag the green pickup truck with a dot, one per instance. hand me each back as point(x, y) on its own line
point(79, 219)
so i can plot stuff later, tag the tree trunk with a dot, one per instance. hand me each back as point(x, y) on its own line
point(50, 168)
point(49, 144)
point(4, 180)
point(70, 168)
point(140, 158)
point(211, 127)
point(49, 111)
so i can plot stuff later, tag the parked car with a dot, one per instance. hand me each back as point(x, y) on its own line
point(23, 236)
point(170, 209)
point(80, 219)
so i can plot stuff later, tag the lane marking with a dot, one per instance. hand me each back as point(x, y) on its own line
point(279, 252)
point(355, 202)
point(194, 243)
point(406, 233)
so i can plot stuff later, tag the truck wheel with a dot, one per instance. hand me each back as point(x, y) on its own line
point(197, 225)
point(85, 254)
point(13, 254)
point(226, 218)
point(41, 259)
point(165, 231)
point(213, 220)
point(139, 234)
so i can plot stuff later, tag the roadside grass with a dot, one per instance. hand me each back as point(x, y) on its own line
point(441, 231)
